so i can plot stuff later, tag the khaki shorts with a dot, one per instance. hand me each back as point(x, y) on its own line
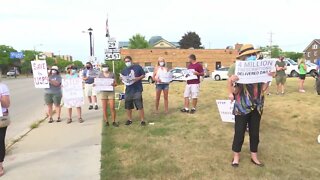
point(89, 90)
point(192, 91)
point(106, 95)
point(53, 99)
point(281, 80)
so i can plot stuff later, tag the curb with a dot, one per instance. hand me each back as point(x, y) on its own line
point(18, 137)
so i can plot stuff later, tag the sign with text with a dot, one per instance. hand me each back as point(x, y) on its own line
point(165, 77)
point(103, 84)
point(113, 51)
point(188, 74)
point(40, 74)
point(225, 108)
point(16, 55)
point(72, 92)
point(254, 71)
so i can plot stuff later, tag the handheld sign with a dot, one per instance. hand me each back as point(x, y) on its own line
point(254, 71)
point(40, 74)
point(188, 74)
point(1, 113)
point(166, 77)
point(103, 84)
point(225, 108)
point(72, 92)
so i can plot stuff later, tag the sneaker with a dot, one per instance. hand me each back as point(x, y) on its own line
point(302, 91)
point(143, 123)
point(184, 110)
point(58, 120)
point(114, 124)
point(193, 110)
point(96, 107)
point(107, 123)
point(128, 122)
point(90, 107)
point(282, 93)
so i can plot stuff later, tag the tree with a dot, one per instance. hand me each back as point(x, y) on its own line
point(78, 64)
point(276, 51)
point(62, 64)
point(293, 55)
point(119, 65)
point(190, 40)
point(5, 61)
point(138, 42)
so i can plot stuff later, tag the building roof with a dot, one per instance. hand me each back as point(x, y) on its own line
point(315, 40)
point(154, 39)
point(152, 42)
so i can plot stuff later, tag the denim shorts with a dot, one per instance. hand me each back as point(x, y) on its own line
point(162, 86)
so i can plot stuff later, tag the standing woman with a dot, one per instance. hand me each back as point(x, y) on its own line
point(248, 108)
point(161, 86)
point(5, 103)
point(302, 73)
point(72, 73)
point(108, 97)
point(53, 94)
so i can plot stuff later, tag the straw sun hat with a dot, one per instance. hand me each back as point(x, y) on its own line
point(247, 49)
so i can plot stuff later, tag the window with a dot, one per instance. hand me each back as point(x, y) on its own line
point(147, 64)
point(308, 54)
point(169, 65)
point(315, 53)
point(315, 46)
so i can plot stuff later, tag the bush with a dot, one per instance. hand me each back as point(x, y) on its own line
point(119, 65)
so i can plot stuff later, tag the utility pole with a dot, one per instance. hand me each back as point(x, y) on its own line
point(270, 41)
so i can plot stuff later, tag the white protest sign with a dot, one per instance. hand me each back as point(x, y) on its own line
point(40, 74)
point(225, 108)
point(128, 80)
point(72, 92)
point(165, 77)
point(103, 84)
point(254, 71)
point(1, 113)
point(188, 74)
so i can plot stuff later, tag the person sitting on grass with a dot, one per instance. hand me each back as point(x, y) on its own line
point(133, 93)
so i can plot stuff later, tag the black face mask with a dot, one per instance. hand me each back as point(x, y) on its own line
point(88, 67)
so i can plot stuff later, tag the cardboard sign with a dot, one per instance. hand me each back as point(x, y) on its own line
point(188, 74)
point(72, 92)
point(40, 74)
point(254, 71)
point(225, 108)
point(166, 77)
point(103, 84)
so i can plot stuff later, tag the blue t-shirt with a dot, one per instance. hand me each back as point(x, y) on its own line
point(137, 86)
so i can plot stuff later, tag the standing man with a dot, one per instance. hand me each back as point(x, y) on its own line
point(133, 94)
point(318, 66)
point(88, 76)
point(281, 75)
point(193, 86)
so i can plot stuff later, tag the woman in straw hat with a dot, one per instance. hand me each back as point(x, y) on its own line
point(249, 101)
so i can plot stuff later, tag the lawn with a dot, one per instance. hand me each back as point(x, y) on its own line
point(198, 146)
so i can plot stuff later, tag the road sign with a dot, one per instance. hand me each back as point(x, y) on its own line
point(113, 56)
point(16, 55)
point(113, 52)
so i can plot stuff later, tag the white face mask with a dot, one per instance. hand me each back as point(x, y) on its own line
point(161, 64)
point(105, 69)
point(54, 72)
point(128, 64)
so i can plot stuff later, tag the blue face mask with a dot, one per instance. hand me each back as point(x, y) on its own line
point(73, 71)
point(251, 58)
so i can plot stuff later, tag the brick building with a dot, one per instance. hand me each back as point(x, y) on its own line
point(312, 51)
point(210, 58)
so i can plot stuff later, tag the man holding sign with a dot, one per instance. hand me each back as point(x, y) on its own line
point(248, 105)
point(193, 86)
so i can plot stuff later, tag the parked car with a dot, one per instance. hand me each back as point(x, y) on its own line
point(13, 73)
point(206, 72)
point(220, 74)
point(148, 74)
point(292, 68)
point(177, 73)
point(311, 68)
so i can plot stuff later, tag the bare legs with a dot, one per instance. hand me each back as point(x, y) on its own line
point(194, 102)
point(166, 101)
point(112, 109)
point(129, 114)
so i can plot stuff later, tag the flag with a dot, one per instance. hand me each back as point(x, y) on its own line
point(107, 29)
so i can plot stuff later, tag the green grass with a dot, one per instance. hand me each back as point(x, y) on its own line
point(185, 146)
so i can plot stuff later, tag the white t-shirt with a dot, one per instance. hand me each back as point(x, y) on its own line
point(4, 91)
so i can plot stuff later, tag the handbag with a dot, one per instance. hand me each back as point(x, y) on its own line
point(5, 120)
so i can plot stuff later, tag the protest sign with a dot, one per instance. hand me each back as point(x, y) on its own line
point(188, 74)
point(128, 80)
point(165, 77)
point(1, 113)
point(72, 92)
point(40, 74)
point(254, 71)
point(103, 84)
point(225, 108)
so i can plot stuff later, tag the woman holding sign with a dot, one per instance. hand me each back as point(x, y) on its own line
point(5, 103)
point(71, 74)
point(160, 76)
point(108, 97)
point(248, 107)
point(53, 94)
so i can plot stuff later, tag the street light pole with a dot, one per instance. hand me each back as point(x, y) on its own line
point(90, 36)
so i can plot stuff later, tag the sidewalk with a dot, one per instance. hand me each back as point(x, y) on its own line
point(58, 150)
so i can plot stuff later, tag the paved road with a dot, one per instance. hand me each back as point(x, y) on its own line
point(27, 105)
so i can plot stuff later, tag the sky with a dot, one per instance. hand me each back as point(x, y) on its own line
point(57, 25)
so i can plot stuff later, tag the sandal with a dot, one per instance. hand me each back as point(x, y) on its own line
point(80, 120)
point(59, 120)
point(50, 120)
point(69, 121)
